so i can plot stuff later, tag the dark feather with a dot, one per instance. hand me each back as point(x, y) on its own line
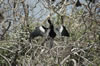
point(52, 33)
point(78, 3)
point(65, 32)
point(37, 32)
point(93, 1)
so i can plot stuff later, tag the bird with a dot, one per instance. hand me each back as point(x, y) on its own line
point(62, 30)
point(93, 1)
point(1, 17)
point(38, 31)
point(78, 3)
point(52, 33)
point(53, 0)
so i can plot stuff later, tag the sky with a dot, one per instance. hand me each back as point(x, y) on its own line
point(43, 12)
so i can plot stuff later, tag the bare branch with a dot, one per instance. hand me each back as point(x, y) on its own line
point(5, 59)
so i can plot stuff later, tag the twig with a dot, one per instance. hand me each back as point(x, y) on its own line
point(14, 62)
point(85, 59)
point(2, 36)
point(7, 49)
point(29, 49)
point(5, 59)
point(74, 61)
point(64, 60)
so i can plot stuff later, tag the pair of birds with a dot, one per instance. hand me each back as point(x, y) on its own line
point(41, 31)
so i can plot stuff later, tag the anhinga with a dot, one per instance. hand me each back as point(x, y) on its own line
point(78, 3)
point(38, 31)
point(1, 17)
point(63, 31)
point(51, 33)
point(93, 1)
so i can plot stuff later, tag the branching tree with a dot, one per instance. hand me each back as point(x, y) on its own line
point(18, 18)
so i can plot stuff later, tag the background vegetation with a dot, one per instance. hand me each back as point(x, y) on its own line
point(19, 17)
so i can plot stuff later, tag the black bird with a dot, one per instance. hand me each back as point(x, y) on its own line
point(39, 31)
point(78, 3)
point(93, 1)
point(53, 0)
point(63, 31)
point(52, 33)
point(1, 17)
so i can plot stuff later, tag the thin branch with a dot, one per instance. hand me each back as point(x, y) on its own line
point(2, 36)
point(7, 49)
point(74, 61)
point(29, 49)
point(65, 59)
point(5, 59)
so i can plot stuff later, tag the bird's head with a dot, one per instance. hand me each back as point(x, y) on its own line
point(49, 21)
point(45, 28)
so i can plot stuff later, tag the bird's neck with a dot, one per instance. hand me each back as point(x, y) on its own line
point(42, 29)
point(61, 29)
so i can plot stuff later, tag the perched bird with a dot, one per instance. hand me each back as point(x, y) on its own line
point(62, 30)
point(78, 3)
point(93, 1)
point(39, 31)
point(53, 0)
point(1, 17)
point(52, 33)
